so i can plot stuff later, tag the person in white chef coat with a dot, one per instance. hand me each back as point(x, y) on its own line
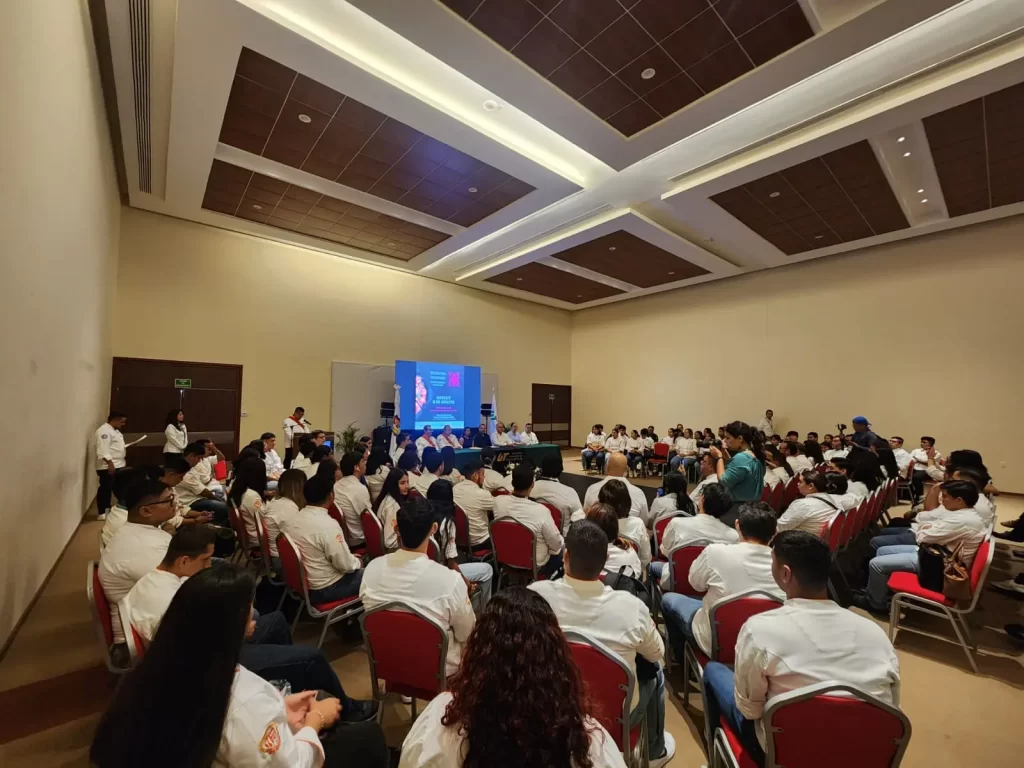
point(110, 457)
point(190, 702)
point(175, 433)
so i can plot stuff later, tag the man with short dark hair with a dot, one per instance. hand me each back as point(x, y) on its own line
point(550, 489)
point(481, 439)
point(476, 502)
point(922, 458)
point(295, 424)
point(426, 440)
point(836, 449)
point(548, 541)
point(194, 489)
point(720, 571)
point(431, 466)
point(352, 497)
point(410, 576)
point(493, 480)
point(902, 457)
point(619, 620)
point(110, 457)
point(275, 467)
point(809, 639)
point(767, 425)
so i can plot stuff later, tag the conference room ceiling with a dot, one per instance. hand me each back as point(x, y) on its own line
point(573, 153)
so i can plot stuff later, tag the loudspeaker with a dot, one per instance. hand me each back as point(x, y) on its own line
point(485, 409)
point(387, 410)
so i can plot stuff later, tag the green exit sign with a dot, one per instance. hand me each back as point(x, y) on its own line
point(183, 383)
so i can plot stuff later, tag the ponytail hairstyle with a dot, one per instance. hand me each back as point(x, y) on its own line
point(779, 459)
point(675, 482)
point(814, 479)
point(836, 483)
point(752, 437)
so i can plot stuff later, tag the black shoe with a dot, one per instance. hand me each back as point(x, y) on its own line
point(1016, 633)
point(360, 711)
point(861, 601)
point(119, 656)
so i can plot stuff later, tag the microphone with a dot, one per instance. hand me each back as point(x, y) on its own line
point(307, 422)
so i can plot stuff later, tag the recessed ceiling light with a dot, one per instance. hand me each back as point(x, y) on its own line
point(611, 248)
point(774, 194)
point(671, 273)
point(257, 207)
point(920, 191)
point(491, 105)
point(519, 279)
point(473, 189)
point(902, 139)
point(818, 237)
point(648, 73)
point(906, 154)
point(305, 119)
point(391, 245)
point(924, 200)
point(579, 295)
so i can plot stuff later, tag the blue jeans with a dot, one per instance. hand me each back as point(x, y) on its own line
point(589, 456)
point(552, 565)
point(720, 702)
point(481, 575)
point(652, 706)
point(891, 537)
point(346, 586)
point(902, 557)
point(219, 509)
point(679, 611)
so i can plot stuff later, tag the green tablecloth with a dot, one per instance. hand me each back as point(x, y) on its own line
point(515, 454)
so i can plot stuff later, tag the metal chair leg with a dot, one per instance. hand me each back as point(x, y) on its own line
point(323, 633)
point(414, 708)
point(963, 642)
point(298, 613)
point(686, 678)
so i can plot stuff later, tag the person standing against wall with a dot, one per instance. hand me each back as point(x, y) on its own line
point(110, 453)
point(175, 433)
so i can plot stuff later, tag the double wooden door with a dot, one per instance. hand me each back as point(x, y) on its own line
point(145, 390)
point(552, 413)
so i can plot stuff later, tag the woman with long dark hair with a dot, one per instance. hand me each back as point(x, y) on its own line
point(200, 708)
point(409, 460)
point(615, 494)
point(673, 500)
point(477, 575)
point(776, 468)
point(814, 509)
point(740, 463)
point(378, 465)
point(247, 493)
point(517, 699)
point(448, 470)
point(620, 552)
point(175, 433)
point(390, 499)
point(812, 448)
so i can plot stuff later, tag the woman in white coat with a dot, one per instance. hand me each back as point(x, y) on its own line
point(175, 433)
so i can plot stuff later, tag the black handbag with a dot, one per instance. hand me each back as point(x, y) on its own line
point(931, 565)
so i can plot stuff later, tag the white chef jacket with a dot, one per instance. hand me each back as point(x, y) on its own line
point(301, 462)
point(633, 445)
point(148, 600)
point(256, 731)
point(117, 516)
point(846, 501)
point(903, 458)
point(195, 481)
point(618, 557)
point(322, 546)
point(664, 506)
point(422, 482)
point(530, 438)
point(273, 463)
point(615, 444)
point(292, 428)
point(857, 489)
point(493, 480)
point(806, 642)
point(638, 501)
point(562, 496)
point(439, 592)
point(251, 504)
point(799, 463)
point(375, 481)
point(425, 442)
point(686, 445)
point(109, 447)
point(449, 440)
point(841, 453)
point(598, 440)
point(134, 551)
point(352, 499)
point(697, 492)
point(431, 744)
point(949, 528)
point(537, 518)
point(724, 570)
point(684, 531)
point(920, 459)
point(811, 514)
point(615, 618)
point(476, 503)
point(986, 510)
point(175, 439)
point(766, 426)
point(633, 528)
point(500, 439)
point(278, 513)
point(516, 438)
point(387, 513)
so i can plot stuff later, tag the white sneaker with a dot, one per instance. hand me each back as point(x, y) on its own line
point(1010, 585)
point(670, 752)
point(407, 699)
point(101, 517)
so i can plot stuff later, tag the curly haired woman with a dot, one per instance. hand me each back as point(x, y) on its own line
point(517, 699)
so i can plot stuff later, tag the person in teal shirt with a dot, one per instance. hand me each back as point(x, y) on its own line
point(739, 464)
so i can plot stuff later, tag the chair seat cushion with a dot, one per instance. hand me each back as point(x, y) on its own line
point(325, 607)
point(907, 582)
point(482, 552)
point(742, 758)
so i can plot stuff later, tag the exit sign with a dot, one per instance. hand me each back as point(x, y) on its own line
point(183, 383)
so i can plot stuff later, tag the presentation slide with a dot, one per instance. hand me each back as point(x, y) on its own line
point(438, 394)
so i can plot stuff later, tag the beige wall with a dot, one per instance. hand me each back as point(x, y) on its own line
point(191, 292)
point(59, 213)
point(922, 337)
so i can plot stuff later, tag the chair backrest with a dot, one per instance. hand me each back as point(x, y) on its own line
point(264, 543)
point(292, 565)
point(679, 561)
point(414, 494)
point(374, 533)
point(514, 544)
point(728, 616)
point(834, 724)
point(791, 494)
point(407, 650)
point(661, 451)
point(659, 530)
point(556, 514)
point(609, 683)
point(860, 518)
point(136, 645)
point(501, 492)
point(100, 608)
point(979, 570)
point(338, 516)
point(433, 550)
point(462, 528)
point(834, 531)
point(766, 493)
point(238, 526)
point(775, 502)
point(220, 471)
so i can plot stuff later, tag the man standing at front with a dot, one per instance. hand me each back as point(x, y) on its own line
point(110, 453)
point(767, 424)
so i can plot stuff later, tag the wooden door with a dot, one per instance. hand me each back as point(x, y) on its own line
point(552, 413)
point(210, 394)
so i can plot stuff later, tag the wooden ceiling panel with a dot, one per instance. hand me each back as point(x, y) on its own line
point(287, 117)
point(554, 283)
point(597, 51)
point(626, 257)
point(241, 193)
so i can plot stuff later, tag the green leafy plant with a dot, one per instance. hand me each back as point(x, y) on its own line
point(348, 437)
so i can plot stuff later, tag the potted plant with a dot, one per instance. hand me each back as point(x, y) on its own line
point(347, 438)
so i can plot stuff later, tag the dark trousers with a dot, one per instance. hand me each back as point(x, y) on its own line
point(219, 509)
point(104, 492)
point(553, 564)
point(917, 481)
point(355, 745)
point(346, 586)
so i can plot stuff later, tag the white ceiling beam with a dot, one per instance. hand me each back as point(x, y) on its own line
point(589, 274)
point(907, 162)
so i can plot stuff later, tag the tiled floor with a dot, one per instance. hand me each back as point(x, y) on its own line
point(52, 689)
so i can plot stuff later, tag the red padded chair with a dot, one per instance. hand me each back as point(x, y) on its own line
point(501, 492)
point(407, 650)
point(220, 471)
point(100, 609)
point(462, 538)
point(660, 457)
point(610, 683)
point(679, 561)
point(358, 550)
point(298, 584)
point(136, 645)
point(833, 533)
point(374, 534)
point(556, 514)
point(266, 560)
point(727, 618)
point(766, 494)
point(514, 549)
point(910, 595)
point(659, 535)
point(791, 494)
point(826, 724)
point(434, 550)
point(246, 551)
point(775, 502)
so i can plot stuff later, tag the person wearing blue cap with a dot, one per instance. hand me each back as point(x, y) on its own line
point(862, 435)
